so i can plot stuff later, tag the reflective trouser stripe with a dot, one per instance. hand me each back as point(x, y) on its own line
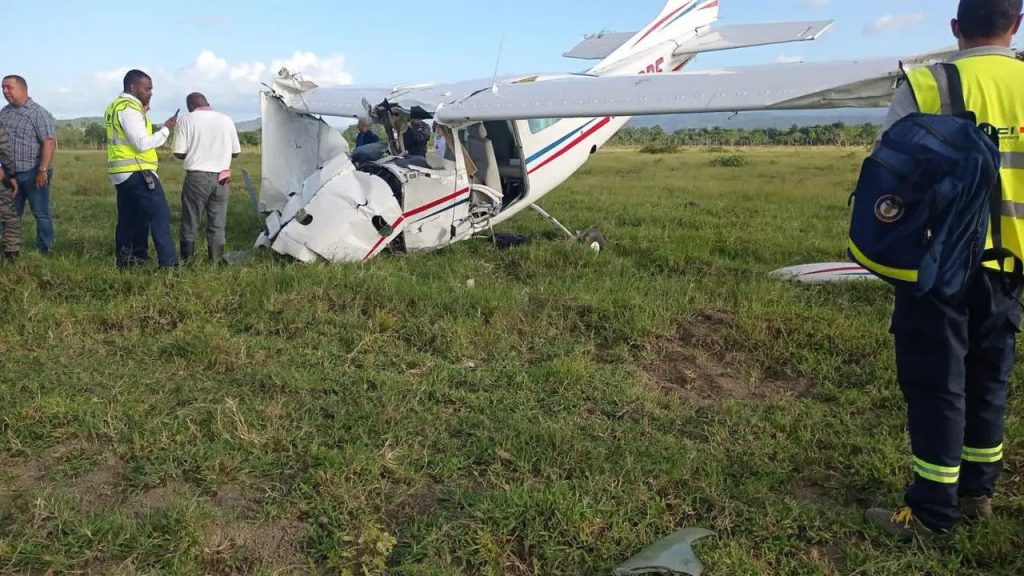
point(983, 455)
point(1012, 160)
point(936, 473)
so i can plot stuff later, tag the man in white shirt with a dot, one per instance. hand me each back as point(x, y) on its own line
point(132, 163)
point(207, 141)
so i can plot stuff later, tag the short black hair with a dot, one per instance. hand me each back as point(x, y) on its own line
point(132, 77)
point(17, 79)
point(987, 18)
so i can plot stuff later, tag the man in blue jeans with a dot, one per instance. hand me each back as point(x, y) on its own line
point(132, 164)
point(33, 138)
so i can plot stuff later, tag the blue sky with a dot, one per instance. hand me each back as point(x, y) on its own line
point(74, 53)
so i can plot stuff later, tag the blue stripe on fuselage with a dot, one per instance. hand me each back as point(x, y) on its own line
point(559, 142)
point(442, 210)
point(684, 13)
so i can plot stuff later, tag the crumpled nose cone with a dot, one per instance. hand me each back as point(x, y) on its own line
point(342, 215)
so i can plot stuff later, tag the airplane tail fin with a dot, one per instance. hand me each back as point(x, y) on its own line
point(676, 16)
point(675, 19)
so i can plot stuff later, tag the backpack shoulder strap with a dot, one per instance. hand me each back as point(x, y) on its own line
point(954, 90)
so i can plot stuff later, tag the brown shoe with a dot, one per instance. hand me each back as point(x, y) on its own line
point(902, 524)
point(973, 509)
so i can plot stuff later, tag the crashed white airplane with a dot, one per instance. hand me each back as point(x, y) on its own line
point(510, 141)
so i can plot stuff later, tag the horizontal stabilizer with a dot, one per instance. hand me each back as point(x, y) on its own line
point(599, 46)
point(748, 35)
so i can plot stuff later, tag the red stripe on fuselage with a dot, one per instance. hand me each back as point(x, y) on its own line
point(660, 22)
point(412, 213)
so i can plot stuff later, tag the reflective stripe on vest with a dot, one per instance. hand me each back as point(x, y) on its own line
point(122, 157)
point(994, 90)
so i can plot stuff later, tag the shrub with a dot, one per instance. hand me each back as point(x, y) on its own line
point(731, 161)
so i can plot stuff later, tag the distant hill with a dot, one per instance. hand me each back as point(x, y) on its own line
point(249, 125)
point(80, 123)
point(765, 119)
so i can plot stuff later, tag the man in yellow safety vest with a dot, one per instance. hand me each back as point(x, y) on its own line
point(954, 358)
point(132, 163)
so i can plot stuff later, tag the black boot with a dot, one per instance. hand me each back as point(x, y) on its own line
point(216, 252)
point(11, 256)
point(188, 249)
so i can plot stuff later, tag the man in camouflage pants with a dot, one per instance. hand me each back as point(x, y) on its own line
point(8, 190)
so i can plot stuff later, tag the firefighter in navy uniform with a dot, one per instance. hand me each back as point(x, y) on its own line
point(954, 358)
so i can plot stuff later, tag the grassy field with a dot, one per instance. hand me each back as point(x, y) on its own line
point(555, 418)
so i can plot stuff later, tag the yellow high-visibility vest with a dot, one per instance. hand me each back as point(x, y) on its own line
point(122, 157)
point(993, 88)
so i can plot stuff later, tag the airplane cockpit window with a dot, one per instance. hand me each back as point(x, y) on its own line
point(539, 124)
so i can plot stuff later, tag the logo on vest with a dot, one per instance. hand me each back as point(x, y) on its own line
point(1010, 132)
point(890, 209)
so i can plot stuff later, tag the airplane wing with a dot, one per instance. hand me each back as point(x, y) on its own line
point(855, 83)
point(750, 35)
point(859, 83)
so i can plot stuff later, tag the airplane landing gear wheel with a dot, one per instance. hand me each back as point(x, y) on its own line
point(593, 239)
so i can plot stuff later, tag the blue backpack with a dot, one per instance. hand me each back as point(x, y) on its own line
point(925, 200)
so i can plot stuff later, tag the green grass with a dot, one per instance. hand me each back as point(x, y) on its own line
point(556, 418)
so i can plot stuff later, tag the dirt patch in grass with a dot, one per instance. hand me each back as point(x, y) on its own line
point(92, 489)
point(231, 500)
point(276, 546)
point(160, 497)
point(99, 487)
point(698, 364)
point(420, 503)
point(828, 556)
point(17, 475)
point(813, 495)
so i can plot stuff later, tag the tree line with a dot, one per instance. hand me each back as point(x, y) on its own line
point(93, 136)
point(837, 134)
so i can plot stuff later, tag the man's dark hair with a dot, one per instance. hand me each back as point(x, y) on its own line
point(987, 18)
point(21, 81)
point(132, 77)
point(195, 100)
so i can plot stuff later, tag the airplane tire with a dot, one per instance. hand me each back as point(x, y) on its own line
point(593, 239)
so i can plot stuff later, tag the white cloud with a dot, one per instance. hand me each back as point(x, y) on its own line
point(785, 59)
point(232, 87)
point(892, 22)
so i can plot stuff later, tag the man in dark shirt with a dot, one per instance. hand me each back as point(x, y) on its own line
point(8, 189)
